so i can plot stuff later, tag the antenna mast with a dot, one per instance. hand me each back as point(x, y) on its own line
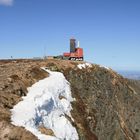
point(78, 44)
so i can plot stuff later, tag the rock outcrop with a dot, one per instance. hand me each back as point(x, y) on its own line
point(107, 106)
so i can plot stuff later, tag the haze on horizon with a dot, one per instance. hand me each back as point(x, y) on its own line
point(108, 31)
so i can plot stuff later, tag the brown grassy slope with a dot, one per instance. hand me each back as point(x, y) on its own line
point(107, 106)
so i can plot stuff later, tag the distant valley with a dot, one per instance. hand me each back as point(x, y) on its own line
point(130, 74)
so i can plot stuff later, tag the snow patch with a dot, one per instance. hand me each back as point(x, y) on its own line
point(43, 106)
point(104, 67)
point(85, 65)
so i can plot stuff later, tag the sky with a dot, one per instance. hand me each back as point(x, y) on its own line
point(108, 30)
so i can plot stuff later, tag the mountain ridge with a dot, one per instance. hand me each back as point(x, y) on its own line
point(106, 107)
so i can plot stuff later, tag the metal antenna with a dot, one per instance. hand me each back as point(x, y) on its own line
point(78, 45)
point(44, 52)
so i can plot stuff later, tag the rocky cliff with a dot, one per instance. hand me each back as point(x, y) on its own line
point(107, 106)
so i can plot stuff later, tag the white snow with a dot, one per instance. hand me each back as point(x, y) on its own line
point(85, 65)
point(42, 106)
point(104, 67)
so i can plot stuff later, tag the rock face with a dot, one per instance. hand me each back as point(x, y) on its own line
point(107, 106)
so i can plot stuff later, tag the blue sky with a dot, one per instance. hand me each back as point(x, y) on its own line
point(108, 30)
